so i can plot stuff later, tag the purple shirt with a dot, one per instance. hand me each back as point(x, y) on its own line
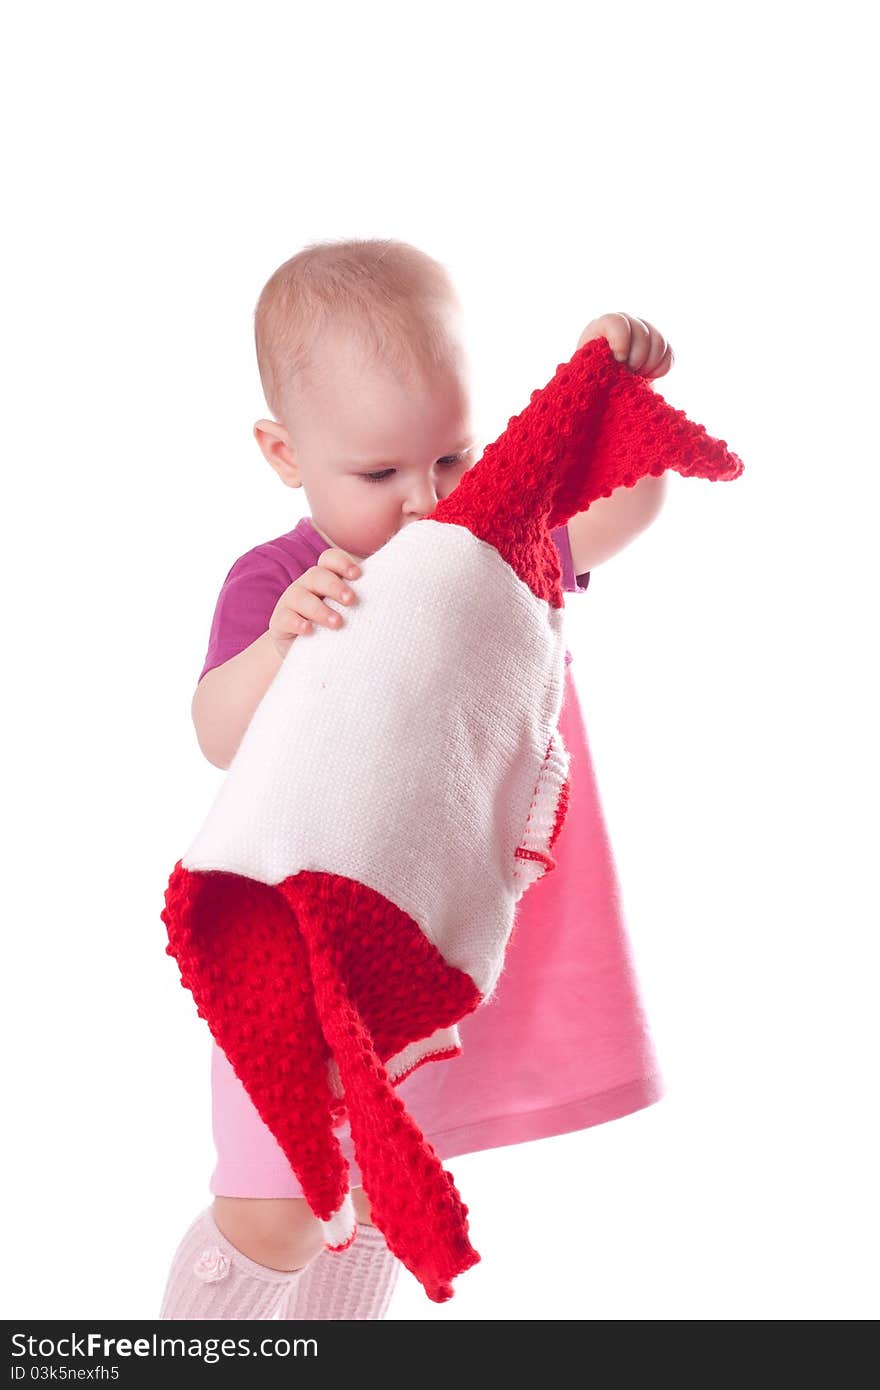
point(257, 580)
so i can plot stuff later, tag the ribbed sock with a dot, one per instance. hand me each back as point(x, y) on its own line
point(354, 1284)
point(211, 1279)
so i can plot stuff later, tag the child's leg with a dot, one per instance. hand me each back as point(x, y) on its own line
point(240, 1259)
point(348, 1285)
point(282, 1232)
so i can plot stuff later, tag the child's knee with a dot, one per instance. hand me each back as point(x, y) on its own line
point(277, 1232)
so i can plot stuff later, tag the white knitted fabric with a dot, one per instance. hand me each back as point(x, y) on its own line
point(450, 757)
point(211, 1279)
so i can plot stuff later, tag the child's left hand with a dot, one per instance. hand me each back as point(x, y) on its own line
point(633, 341)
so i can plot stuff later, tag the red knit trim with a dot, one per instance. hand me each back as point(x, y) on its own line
point(438, 1056)
point(594, 427)
point(542, 792)
point(442, 1054)
point(345, 1244)
point(379, 984)
point(561, 811)
point(537, 855)
point(248, 969)
point(318, 967)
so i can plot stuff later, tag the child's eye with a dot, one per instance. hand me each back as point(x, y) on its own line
point(449, 461)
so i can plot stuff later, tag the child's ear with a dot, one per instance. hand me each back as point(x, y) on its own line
point(274, 443)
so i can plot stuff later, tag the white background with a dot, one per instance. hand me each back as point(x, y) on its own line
point(705, 169)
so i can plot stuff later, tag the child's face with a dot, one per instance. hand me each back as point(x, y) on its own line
point(415, 439)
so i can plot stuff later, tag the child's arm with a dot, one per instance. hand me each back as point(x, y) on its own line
point(228, 695)
point(610, 523)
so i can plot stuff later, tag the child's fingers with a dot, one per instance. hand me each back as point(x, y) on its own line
point(309, 606)
point(339, 561)
point(327, 584)
point(302, 604)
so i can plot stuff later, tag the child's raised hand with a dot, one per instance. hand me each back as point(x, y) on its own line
point(301, 603)
point(634, 341)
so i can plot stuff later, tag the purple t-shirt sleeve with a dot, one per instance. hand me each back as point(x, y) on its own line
point(572, 583)
point(250, 592)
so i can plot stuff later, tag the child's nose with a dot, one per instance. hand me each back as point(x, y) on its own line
point(420, 505)
point(421, 501)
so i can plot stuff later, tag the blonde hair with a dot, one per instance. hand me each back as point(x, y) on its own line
point(398, 304)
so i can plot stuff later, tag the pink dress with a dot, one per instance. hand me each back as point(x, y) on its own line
point(563, 1043)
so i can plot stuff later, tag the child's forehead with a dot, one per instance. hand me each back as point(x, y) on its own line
point(380, 405)
point(336, 354)
point(358, 405)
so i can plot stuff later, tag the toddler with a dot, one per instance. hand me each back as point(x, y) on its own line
point(362, 363)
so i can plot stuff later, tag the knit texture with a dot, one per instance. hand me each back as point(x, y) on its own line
point(355, 1286)
point(330, 953)
point(211, 1279)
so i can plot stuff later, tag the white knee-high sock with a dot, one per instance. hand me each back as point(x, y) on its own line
point(354, 1284)
point(211, 1279)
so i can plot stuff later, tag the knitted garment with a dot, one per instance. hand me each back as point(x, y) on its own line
point(331, 953)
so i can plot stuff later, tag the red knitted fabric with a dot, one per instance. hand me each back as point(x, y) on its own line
point(594, 427)
point(319, 969)
point(323, 967)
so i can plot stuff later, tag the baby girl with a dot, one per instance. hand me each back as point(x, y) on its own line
point(360, 351)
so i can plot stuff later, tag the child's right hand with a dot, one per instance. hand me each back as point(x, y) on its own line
point(301, 603)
